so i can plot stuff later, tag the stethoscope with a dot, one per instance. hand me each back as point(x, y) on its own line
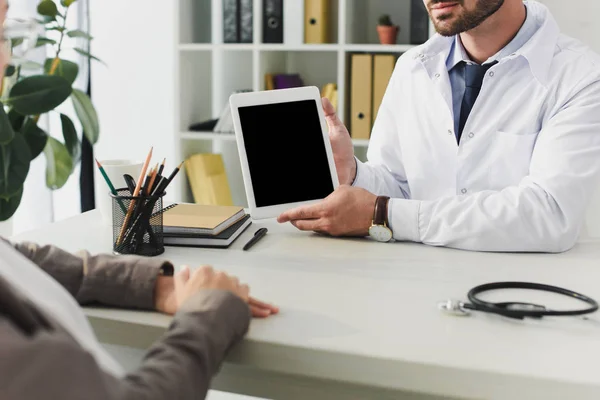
point(517, 310)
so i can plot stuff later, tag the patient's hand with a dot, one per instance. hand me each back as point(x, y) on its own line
point(172, 292)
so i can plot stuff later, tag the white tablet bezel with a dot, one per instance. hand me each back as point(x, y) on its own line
point(237, 100)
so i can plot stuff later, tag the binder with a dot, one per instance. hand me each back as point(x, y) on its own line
point(273, 21)
point(316, 21)
point(293, 22)
point(208, 179)
point(361, 95)
point(330, 91)
point(383, 66)
point(419, 22)
point(231, 31)
point(246, 21)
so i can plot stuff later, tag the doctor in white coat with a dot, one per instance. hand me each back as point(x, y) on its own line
point(487, 139)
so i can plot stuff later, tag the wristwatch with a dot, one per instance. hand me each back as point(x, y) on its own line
point(379, 229)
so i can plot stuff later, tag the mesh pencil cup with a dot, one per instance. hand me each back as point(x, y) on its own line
point(137, 224)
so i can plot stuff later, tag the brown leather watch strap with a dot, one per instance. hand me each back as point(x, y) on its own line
point(381, 208)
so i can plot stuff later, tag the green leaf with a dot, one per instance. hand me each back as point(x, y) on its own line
point(47, 8)
point(59, 164)
point(14, 165)
point(56, 28)
point(87, 115)
point(16, 41)
point(66, 69)
point(45, 19)
point(8, 205)
point(67, 3)
point(42, 41)
point(71, 139)
point(39, 94)
point(86, 54)
point(79, 34)
point(6, 131)
point(35, 137)
point(16, 120)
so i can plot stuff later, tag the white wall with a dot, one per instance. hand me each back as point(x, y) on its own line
point(134, 93)
point(578, 18)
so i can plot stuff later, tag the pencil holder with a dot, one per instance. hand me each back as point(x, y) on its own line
point(137, 224)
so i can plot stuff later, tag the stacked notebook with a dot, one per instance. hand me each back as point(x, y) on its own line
point(198, 225)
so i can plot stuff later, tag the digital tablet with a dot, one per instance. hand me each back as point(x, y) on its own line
point(284, 149)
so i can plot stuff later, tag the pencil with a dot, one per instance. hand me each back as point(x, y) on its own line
point(162, 166)
point(170, 178)
point(135, 193)
point(153, 173)
point(109, 183)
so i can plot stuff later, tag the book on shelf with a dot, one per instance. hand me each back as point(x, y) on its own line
point(207, 178)
point(221, 240)
point(199, 219)
point(286, 81)
point(224, 123)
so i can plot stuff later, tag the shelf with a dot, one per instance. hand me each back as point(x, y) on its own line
point(231, 137)
point(379, 48)
point(361, 142)
point(207, 136)
point(299, 47)
point(373, 48)
point(196, 47)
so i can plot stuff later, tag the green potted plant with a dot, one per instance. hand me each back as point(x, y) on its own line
point(27, 95)
point(387, 30)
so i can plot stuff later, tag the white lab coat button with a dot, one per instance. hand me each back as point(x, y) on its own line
point(492, 74)
point(450, 132)
point(437, 75)
point(471, 135)
point(463, 191)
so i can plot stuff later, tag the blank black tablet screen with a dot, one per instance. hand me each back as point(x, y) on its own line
point(286, 153)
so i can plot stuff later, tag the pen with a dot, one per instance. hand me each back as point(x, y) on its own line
point(110, 185)
point(257, 236)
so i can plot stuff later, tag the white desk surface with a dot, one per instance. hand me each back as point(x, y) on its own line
point(353, 310)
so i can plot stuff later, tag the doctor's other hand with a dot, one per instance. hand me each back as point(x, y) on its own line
point(341, 144)
point(173, 292)
point(348, 211)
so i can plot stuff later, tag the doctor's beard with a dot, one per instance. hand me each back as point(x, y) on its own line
point(461, 19)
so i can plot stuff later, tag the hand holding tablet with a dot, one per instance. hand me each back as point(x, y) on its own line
point(284, 148)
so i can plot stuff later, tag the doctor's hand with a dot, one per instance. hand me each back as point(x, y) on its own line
point(341, 145)
point(172, 292)
point(348, 211)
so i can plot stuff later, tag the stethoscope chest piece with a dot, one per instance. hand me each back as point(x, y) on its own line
point(454, 307)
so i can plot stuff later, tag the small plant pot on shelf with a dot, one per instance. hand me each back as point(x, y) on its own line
point(388, 34)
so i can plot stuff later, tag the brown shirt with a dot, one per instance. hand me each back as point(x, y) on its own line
point(40, 359)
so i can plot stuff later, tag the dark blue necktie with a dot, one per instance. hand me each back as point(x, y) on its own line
point(473, 79)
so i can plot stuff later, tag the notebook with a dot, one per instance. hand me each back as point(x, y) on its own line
point(200, 218)
point(222, 240)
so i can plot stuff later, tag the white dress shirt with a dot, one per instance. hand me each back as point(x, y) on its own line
point(528, 161)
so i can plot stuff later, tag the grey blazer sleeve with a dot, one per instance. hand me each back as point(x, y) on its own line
point(179, 366)
point(121, 281)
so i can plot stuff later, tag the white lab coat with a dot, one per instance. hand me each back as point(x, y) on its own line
point(528, 161)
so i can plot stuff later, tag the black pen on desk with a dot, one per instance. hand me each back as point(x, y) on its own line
point(259, 234)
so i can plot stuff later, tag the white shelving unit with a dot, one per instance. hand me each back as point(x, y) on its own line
point(208, 70)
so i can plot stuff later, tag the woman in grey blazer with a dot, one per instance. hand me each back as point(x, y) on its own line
point(49, 351)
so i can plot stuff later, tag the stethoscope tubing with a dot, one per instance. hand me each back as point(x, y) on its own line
point(537, 311)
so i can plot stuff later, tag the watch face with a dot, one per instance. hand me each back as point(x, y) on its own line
point(380, 233)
